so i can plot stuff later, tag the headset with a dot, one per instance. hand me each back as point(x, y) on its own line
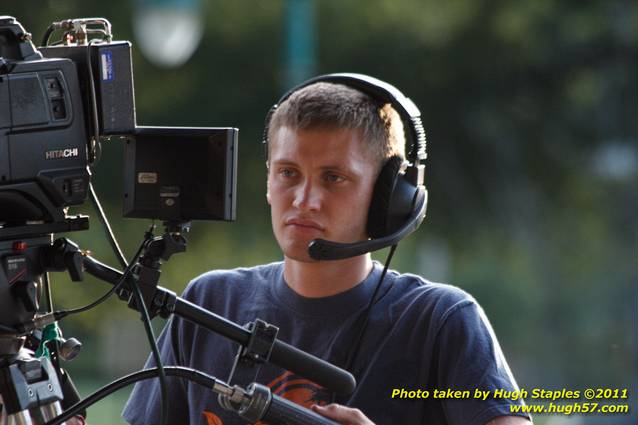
point(399, 199)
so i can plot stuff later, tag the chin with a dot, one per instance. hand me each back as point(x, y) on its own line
point(298, 252)
point(301, 258)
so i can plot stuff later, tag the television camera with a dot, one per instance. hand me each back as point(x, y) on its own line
point(58, 103)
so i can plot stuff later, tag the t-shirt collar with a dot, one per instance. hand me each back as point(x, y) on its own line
point(340, 304)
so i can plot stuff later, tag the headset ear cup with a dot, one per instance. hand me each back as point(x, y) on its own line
point(380, 203)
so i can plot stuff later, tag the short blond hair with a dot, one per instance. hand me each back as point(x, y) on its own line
point(336, 106)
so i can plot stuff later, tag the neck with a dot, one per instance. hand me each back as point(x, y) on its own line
point(324, 278)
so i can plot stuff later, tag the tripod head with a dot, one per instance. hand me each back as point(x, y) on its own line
point(33, 385)
point(20, 288)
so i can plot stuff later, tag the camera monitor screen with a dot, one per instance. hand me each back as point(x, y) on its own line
point(180, 174)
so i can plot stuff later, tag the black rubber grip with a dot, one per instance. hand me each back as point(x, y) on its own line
point(284, 412)
point(311, 367)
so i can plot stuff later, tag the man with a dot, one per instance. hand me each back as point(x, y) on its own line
point(327, 144)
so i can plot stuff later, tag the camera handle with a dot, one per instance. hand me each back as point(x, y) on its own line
point(165, 303)
point(19, 46)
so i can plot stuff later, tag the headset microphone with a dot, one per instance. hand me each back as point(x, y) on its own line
point(321, 249)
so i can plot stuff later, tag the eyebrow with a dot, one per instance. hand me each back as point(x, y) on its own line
point(351, 172)
point(323, 167)
point(284, 162)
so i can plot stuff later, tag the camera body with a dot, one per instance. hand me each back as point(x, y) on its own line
point(43, 137)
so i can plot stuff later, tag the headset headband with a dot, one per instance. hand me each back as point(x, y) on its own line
point(380, 90)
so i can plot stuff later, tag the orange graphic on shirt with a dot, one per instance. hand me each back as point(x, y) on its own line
point(289, 386)
point(211, 418)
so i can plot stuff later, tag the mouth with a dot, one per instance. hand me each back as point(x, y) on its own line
point(302, 223)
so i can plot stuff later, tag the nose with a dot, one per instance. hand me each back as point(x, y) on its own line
point(307, 196)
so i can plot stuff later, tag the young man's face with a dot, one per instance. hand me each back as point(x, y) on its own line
point(320, 184)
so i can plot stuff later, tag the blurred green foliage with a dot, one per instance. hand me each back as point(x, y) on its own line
point(532, 159)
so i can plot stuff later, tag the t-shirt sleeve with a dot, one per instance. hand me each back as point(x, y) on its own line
point(470, 358)
point(144, 404)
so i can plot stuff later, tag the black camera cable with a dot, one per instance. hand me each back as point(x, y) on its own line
point(156, 354)
point(127, 271)
point(196, 376)
point(356, 345)
point(94, 157)
point(106, 226)
point(145, 317)
point(59, 315)
point(54, 316)
point(145, 320)
point(94, 149)
point(256, 403)
point(47, 34)
point(94, 154)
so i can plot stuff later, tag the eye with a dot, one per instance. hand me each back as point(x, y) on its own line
point(287, 172)
point(333, 178)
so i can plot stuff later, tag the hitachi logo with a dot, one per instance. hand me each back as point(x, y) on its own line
point(61, 153)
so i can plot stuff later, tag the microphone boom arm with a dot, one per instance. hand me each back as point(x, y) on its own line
point(321, 249)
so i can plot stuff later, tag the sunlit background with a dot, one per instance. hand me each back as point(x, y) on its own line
point(530, 110)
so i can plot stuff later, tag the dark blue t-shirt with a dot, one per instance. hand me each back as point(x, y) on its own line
point(420, 336)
